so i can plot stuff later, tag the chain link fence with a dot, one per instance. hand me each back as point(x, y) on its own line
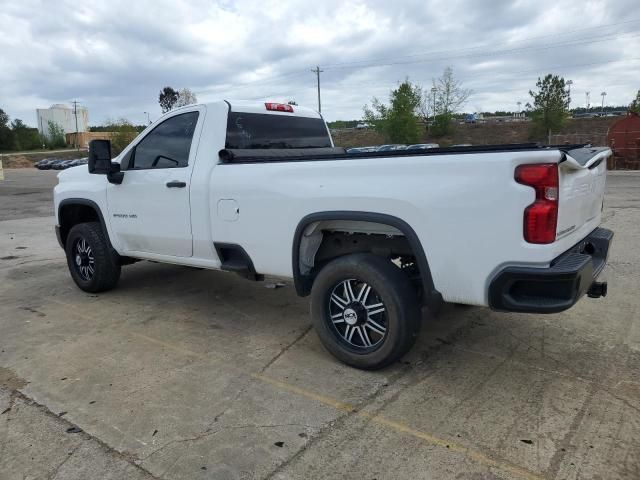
point(598, 138)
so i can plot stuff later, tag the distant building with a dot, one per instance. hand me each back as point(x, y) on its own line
point(64, 116)
point(84, 138)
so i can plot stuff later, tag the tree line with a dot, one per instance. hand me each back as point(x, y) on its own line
point(15, 135)
point(411, 107)
point(401, 120)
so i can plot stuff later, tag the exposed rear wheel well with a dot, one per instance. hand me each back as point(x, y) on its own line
point(395, 248)
point(376, 233)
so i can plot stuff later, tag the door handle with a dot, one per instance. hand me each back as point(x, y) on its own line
point(176, 184)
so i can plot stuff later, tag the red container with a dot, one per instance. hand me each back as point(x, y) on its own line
point(624, 139)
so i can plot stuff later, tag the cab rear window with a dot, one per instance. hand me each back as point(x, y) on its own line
point(256, 130)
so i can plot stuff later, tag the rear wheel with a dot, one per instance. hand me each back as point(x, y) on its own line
point(92, 263)
point(365, 310)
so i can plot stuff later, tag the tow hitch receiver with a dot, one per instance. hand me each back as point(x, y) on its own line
point(597, 290)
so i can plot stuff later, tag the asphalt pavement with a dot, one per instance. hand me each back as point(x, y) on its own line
point(191, 374)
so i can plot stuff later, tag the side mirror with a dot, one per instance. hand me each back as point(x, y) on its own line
point(100, 161)
point(100, 157)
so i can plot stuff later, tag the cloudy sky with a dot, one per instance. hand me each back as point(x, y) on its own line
point(114, 56)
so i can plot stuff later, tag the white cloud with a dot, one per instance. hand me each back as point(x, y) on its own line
point(115, 56)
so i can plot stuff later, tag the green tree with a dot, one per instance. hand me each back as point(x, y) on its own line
point(441, 124)
point(7, 138)
point(398, 121)
point(443, 101)
point(26, 138)
point(168, 98)
point(55, 138)
point(123, 133)
point(550, 107)
point(635, 104)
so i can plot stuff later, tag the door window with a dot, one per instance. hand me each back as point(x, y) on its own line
point(168, 145)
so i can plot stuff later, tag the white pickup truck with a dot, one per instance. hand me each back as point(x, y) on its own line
point(260, 189)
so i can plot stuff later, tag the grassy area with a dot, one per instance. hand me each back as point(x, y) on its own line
point(27, 159)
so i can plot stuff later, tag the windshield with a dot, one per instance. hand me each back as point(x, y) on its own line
point(256, 130)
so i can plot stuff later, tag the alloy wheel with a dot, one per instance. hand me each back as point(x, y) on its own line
point(358, 315)
point(84, 261)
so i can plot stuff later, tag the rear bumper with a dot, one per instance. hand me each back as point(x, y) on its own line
point(556, 288)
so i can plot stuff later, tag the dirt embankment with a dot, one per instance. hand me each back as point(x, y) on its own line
point(579, 130)
point(25, 161)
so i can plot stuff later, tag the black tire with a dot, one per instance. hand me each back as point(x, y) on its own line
point(103, 271)
point(400, 318)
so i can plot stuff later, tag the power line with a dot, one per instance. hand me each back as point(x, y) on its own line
point(351, 65)
point(465, 78)
point(603, 38)
point(568, 32)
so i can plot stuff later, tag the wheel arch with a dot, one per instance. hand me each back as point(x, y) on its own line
point(72, 211)
point(303, 282)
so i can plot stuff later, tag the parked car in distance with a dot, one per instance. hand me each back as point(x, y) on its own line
point(43, 164)
point(47, 163)
point(423, 146)
point(78, 162)
point(361, 149)
point(51, 165)
point(462, 145)
point(391, 148)
point(61, 165)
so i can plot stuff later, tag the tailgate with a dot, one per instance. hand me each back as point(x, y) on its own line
point(582, 177)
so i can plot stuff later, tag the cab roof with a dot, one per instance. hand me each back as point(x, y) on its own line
point(260, 107)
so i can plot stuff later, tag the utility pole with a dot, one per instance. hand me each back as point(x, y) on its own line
point(569, 83)
point(317, 71)
point(75, 113)
point(42, 135)
point(519, 114)
point(148, 118)
point(604, 94)
point(587, 94)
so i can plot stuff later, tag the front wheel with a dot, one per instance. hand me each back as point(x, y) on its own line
point(365, 310)
point(92, 263)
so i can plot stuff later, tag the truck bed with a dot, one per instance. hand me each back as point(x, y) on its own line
point(581, 152)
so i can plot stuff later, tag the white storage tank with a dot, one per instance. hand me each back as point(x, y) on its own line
point(64, 116)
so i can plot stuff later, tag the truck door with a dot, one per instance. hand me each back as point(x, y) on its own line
point(150, 210)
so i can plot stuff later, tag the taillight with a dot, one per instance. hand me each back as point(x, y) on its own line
point(541, 217)
point(279, 107)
